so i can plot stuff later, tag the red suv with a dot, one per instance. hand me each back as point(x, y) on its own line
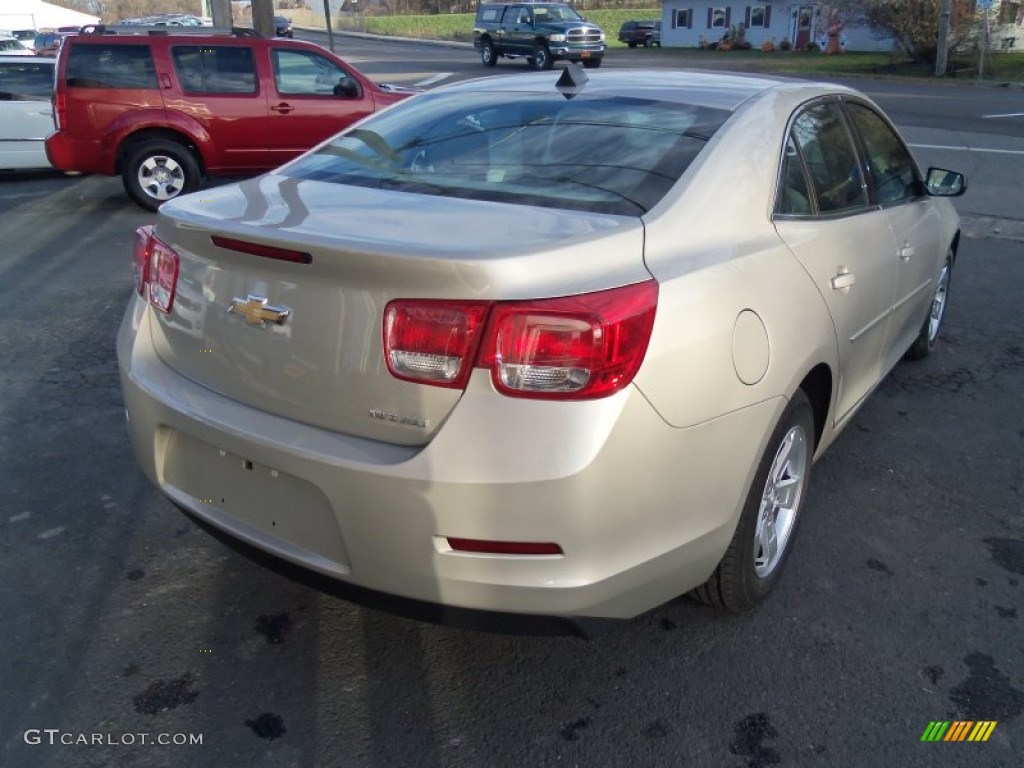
point(163, 111)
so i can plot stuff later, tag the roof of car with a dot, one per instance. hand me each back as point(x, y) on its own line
point(721, 90)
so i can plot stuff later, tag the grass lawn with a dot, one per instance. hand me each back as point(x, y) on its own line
point(1008, 67)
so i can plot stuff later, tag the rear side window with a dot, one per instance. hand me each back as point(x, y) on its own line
point(214, 69)
point(490, 13)
point(110, 66)
point(832, 163)
point(30, 81)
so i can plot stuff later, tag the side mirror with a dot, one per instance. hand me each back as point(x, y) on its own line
point(347, 88)
point(943, 183)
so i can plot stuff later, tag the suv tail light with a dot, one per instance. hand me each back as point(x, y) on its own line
point(155, 267)
point(60, 110)
point(572, 348)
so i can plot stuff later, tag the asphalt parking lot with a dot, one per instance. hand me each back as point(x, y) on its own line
point(126, 622)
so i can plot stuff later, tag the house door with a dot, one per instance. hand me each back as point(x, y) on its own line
point(804, 21)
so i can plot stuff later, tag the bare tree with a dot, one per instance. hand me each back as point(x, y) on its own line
point(914, 24)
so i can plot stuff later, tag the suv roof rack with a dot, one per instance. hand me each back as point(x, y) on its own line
point(165, 30)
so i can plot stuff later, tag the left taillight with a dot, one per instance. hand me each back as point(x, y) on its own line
point(155, 268)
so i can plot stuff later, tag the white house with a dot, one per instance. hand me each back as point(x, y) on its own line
point(686, 23)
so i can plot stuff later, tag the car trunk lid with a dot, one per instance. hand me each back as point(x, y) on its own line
point(304, 340)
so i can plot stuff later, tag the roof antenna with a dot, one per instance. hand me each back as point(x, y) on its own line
point(571, 82)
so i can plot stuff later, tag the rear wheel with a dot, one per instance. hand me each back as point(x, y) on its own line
point(925, 341)
point(157, 171)
point(487, 54)
point(764, 536)
point(542, 58)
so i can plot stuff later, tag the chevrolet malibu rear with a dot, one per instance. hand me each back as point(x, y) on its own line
point(494, 348)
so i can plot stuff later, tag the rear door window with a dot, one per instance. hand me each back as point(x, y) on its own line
point(110, 66)
point(29, 81)
point(215, 69)
point(832, 162)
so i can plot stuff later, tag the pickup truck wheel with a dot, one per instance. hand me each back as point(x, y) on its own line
point(647, 42)
point(487, 54)
point(591, 63)
point(542, 60)
point(157, 171)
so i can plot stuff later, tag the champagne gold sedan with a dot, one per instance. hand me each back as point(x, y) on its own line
point(542, 344)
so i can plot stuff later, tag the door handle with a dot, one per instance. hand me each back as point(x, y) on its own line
point(906, 252)
point(843, 280)
point(284, 108)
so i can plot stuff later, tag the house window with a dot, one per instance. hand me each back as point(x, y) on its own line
point(759, 16)
point(683, 18)
point(718, 18)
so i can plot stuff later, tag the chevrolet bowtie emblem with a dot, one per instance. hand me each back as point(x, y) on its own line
point(256, 311)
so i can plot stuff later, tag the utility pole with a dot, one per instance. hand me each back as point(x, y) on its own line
point(263, 17)
point(942, 45)
point(330, 32)
point(220, 10)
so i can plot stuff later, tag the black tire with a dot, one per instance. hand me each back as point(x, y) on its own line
point(159, 170)
point(647, 42)
point(487, 54)
point(631, 43)
point(542, 60)
point(747, 572)
point(591, 63)
point(929, 334)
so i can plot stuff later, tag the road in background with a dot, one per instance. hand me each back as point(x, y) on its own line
point(902, 603)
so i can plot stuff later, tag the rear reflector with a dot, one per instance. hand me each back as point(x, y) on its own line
point(266, 251)
point(484, 546)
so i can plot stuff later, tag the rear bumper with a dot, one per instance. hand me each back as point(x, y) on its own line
point(69, 154)
point(642, 511)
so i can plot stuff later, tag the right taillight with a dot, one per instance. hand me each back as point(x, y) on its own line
point(155, 268)
point(432, 342)
point(573, 348)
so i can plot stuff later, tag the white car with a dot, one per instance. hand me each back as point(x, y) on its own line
point(549, 344)
point(26, 115)
point(12, 46)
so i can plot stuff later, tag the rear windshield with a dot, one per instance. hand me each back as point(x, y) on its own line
point(607, 154)
point(110, 66)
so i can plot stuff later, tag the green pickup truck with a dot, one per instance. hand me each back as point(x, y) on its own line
point(542, 33)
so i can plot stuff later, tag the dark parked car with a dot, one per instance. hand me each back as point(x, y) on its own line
point(48, 43)
point(283, 27)
point(645, 33)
